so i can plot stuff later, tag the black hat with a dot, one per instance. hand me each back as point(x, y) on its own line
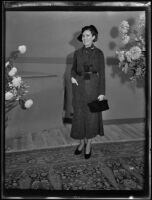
point(93, 30)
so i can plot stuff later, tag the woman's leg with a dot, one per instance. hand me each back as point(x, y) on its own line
point(88, 146)
point(81, 145)
point(85, 140)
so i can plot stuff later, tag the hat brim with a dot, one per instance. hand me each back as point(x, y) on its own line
point(80, 37)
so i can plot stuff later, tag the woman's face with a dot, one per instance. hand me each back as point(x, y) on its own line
point(87, 38)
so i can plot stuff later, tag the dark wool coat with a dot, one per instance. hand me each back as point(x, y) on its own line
point(86, 124)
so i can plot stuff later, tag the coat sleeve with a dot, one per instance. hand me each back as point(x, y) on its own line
point(74, 66)
point(101, 74)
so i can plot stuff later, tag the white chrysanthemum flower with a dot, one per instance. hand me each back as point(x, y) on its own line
point(8, 95)
point(28, 103)
point(22, 49)
point(126, 68)
point(10, 84)
point(142, 40)
point(141, 21)
point(17, 81)
point(120, 55)
point(128, 56)
point(124, 27)
point(14, 91)
point(135, 52)
point(125, 39)
point(138, 71)
point(7, 63)
point(12, 72)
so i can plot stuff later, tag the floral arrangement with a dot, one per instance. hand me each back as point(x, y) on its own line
point(131, 54)
point(15, 87)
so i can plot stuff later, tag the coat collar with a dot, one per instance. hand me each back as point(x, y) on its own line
point(89, 48)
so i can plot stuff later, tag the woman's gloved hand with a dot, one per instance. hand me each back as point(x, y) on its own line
point(101, 97)
point(74, 81)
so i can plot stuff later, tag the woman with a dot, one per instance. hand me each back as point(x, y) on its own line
point(88, 84)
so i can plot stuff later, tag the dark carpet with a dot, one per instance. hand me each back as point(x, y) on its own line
point(112, 166)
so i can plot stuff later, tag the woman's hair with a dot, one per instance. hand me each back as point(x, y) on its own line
point(92, 29)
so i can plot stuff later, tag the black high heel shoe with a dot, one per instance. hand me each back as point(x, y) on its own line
point(88, 155)
point(77, 151)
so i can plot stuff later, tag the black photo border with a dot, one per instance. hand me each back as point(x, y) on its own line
point(80, 6)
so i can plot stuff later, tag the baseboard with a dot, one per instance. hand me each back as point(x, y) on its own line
point(123, 121)
point(112, 121)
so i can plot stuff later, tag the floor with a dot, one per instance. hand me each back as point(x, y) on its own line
point(61, 137)
point(50, 138)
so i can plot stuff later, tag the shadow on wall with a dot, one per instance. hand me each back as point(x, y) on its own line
point(113, 61)
point(68, 109)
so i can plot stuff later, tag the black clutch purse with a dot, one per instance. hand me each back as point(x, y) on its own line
point(98, 106)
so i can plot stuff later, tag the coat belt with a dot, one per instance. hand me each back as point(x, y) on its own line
point(86, 75)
